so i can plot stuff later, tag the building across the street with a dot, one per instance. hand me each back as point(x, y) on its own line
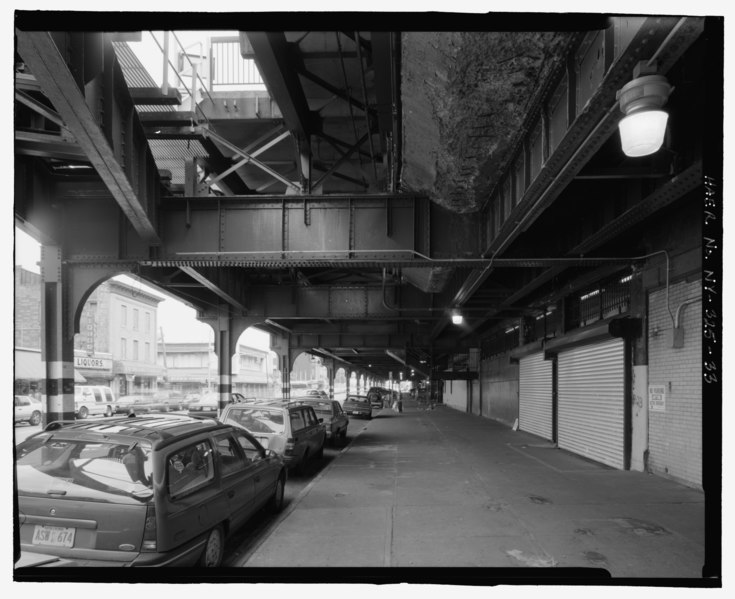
point(117, 343)
point(192, 368)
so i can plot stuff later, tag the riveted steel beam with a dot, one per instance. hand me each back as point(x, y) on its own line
point(211, 282)
point(274, 229)
point(272, 57)
point(131, 178)
point(45, 145)
point(385, 73)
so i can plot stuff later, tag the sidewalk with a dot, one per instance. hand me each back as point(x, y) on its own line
point(442, 488)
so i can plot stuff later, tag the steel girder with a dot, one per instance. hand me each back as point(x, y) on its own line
point(113, 142)
point(313, 228)
point(282, 81)
point(272, 57)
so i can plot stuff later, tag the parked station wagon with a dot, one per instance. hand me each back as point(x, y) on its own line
point(292, 431)
point(159, 490)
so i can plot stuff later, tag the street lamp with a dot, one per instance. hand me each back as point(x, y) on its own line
point(457, 317)
point(643, 128)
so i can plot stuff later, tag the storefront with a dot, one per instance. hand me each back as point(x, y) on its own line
point(96, 369)
point(30, 373)
point(135, 378)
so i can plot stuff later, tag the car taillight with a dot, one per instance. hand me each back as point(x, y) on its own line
point(289, 447)
point(149, 534)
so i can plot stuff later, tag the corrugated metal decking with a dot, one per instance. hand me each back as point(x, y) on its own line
point(535, 412)
point(592, 401)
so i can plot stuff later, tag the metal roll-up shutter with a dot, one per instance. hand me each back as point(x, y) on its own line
point(535, 409)
point(591, 410)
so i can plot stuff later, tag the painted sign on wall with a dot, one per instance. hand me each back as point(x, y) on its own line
point(657, 398)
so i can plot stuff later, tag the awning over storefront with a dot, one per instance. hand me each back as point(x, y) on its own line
point(29, 366)
point(255, 378)
point(136, 369)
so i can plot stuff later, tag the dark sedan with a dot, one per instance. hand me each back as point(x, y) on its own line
point(333, 416)
point(358, 405)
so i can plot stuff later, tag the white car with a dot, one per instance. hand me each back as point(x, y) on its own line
point(28, 409)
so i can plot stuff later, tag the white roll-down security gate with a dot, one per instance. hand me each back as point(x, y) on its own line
point(591, 387)
point(535, 400)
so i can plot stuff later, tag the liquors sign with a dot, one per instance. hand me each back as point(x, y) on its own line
point(92, 363)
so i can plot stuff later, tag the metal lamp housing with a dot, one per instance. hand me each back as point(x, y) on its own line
point(643, 128)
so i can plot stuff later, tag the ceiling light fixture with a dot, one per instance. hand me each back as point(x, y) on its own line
point(457, 317)
point(644, 125)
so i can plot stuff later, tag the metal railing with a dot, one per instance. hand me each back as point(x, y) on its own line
point(228, 67)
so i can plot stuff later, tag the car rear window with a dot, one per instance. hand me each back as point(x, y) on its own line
point(297, 421)
point(73, 466)
point(358, 399)
point(257, 419)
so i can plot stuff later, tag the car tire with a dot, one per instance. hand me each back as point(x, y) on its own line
point(108, 411)
point(83, 412)
point(35, 418)
point(213, 548)
point(275, 504)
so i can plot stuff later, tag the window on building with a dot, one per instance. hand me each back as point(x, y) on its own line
point(135, 319)
point(135, 349)
point(123, 348)
point(147, 322)
point(123, 315)
point(147, 352)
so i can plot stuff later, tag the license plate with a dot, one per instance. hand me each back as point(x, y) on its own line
point(356, 412)
point(53, 536)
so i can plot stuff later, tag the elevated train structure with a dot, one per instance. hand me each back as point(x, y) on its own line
point(383, 182)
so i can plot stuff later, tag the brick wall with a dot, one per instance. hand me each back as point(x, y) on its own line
point(675, 435)
point(499, 382)
point(27, 309)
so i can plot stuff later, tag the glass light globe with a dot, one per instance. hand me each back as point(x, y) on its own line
point(642, 133)
point(457, 318)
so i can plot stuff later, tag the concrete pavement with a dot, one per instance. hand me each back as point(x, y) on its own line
point(442, 488)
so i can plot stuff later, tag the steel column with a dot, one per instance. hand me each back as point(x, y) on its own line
point(58, 346)
point(331, 370)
